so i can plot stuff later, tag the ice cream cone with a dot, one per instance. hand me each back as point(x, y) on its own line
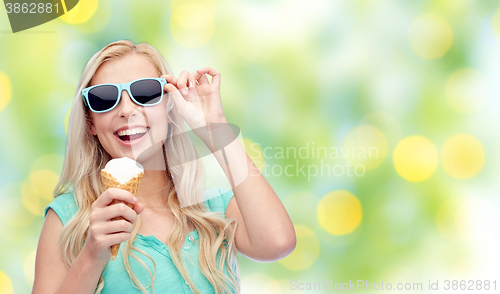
point(131, 185)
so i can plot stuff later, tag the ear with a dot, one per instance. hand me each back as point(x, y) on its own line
point(92, 129)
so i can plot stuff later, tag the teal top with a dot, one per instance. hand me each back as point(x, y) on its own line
point(168, 279)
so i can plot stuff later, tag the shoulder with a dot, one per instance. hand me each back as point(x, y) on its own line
point(217, 198)
point(64, 206)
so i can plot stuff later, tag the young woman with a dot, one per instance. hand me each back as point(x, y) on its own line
point(177, 237)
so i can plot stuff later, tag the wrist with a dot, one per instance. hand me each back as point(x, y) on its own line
point(90, 259)
point(218, 136)
point(219, 120)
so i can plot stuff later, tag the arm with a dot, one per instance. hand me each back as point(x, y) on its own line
point(265, 232)
point(51, 275)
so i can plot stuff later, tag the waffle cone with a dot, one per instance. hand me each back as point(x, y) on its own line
point(131, 185)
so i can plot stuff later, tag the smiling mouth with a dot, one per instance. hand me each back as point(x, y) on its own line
point(132, 137)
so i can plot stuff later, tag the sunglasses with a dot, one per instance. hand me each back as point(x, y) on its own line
point(105, 97)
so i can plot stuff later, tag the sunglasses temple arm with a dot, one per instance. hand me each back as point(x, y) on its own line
point(84, 101)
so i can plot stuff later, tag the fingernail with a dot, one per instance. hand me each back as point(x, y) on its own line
point(135, 199)
point(184, 91)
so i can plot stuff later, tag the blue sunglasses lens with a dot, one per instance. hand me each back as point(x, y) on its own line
point(146, 91)
point(103, 97)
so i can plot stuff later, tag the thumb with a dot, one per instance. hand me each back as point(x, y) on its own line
point(176, 95)
point(139, 208)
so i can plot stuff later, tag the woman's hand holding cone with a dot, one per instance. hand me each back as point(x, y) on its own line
point(103, 230)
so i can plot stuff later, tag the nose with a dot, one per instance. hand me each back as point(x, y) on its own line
point(126, 107)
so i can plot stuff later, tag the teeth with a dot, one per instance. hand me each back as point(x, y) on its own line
point(132, 131)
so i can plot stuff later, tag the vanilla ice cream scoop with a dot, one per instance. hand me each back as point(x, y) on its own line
point(123, 169)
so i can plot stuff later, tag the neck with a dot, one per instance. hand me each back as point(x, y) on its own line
point(154, 189)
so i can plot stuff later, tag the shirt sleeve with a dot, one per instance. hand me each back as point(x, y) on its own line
point(64, 206)
point(218, 198)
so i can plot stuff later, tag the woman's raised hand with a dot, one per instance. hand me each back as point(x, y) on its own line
point(103, 231)
point(198, 101)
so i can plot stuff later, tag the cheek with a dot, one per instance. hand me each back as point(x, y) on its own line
point(101, 124)
point(159, 124)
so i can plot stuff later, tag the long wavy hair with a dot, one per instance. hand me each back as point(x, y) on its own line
point(85, 157)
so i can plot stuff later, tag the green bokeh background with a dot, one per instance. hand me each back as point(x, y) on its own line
point(295, 74)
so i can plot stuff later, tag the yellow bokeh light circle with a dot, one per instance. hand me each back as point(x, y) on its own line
point(81, 13)
point(430, 36)
point(192, 25)
point(5, 284)
point(31, 200)
point(5, 90)
point(339, 212)
point(462, 156)
point(44, 182)
point(365, 145)
point(466, 90)
point(306, 251)
point(255, 153)
point(415, 158)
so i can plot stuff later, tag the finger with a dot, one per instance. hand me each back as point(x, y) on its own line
point(192, 81)
point(117, 210)
point(170, 79)
point(201, 78)
point(117, 238)
point(212, 72)
point(192, 92)
point(204, 80)
point(176, 96)
point(112, 227)
point(114, 193)
point(182, 81)
point(118, 226)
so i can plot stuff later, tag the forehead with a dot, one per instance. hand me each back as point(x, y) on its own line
point(124, 69)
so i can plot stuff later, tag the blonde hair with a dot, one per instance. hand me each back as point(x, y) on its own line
point(85, 157)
